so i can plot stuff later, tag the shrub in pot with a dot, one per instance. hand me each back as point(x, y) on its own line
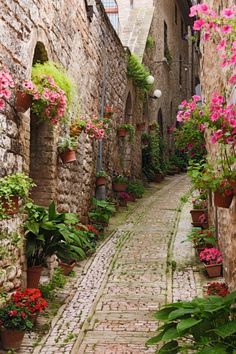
point(13, 188)
point(202, 238)
point(136, 188)
point(101, 212)
point(120, 183)
point(101, 178)
point(67, 149)
point(124, 129)
point(77, 126)
point(14, 321)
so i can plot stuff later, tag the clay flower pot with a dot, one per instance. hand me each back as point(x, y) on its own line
point(23, 101)
point(197, 214)
point(10, 206)
point(140, 127)
point(101, 181)
point(120, 187)
point(222, 200)
point(11, 338)
point(121, 132)
point(67, 267)
point(68, 156)
point(33, 276)
point(213, 270)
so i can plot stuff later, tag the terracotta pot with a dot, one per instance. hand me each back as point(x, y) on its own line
point(222, 200)
point(122, 132)
point(203, 225)
point(197, 214)
point(140, 127)
point(158, 178)
point(11, 338)
point(33, 276)
point(213, 270)
point(68, 156)
point(67, 267)
point(10, 206)
point(101, 181)
point(23, 101)
point(120, 187)
point(233, 184)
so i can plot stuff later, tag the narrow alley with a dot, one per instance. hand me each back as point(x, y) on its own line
point(117, 291)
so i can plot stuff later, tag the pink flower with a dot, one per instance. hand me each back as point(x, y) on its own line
point(206, 36)
point(196, 98)
point(194, 10)
point(232, 79)
point(203, 8)
point(199, 24)
point(221, 45)
point(2, 104)
point(228, 13)
point(226, 29)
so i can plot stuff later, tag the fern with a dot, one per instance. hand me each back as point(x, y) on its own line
point(138, 72)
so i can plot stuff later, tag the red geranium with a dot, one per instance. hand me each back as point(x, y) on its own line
point(31, 299)
point(218, 289)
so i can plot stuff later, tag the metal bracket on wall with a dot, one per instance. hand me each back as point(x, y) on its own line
point(89, 9)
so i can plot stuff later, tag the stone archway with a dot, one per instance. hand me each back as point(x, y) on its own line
point(42, 149)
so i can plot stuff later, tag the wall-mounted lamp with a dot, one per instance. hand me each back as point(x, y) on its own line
point(150, 79)
point(156, 94)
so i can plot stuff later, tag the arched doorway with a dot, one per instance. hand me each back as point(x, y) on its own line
point(42, 150)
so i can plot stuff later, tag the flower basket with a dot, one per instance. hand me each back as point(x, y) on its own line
point(101, 181)
point(222, 200)
point(213, 270)
point(140, 127)
point(11, 205)
point(120, 187)
point(68, 156)
point(198, 214)
point(11, 338)
point(67, 267)
point(122, 132)
point(23, 101)
point(33, 276)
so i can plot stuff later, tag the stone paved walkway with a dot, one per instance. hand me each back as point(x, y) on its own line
point(110, 309)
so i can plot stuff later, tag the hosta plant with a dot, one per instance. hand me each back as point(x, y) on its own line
point(201, 326)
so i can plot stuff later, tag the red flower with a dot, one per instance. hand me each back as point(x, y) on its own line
point(23, 315)
point(12, 313)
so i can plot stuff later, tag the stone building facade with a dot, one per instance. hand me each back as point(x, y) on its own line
point(214, 79)
point(91, 51)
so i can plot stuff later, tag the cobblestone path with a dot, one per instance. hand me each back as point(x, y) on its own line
point(111, 303)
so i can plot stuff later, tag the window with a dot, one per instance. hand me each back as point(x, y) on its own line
point(165, 39)
point(112, 11)
point(176, 14)
point(180, 70)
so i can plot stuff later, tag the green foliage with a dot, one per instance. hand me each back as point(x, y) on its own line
point(136, 188)
point(58, 74)
point(101, 211)
point(101, 173)
point(120, 179)
point(152, 156)
point(201, 237)
point(129, 128)
point(138, 73)
point(12, 239)
point(48, 232)
point(207, 325)
point(17, 184)
point(66, 144)
point(58, 281)
point(15, 317)
point(150, 42)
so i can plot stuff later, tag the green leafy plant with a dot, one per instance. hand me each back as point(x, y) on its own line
point(48, 232)
point(17, 184)
point(200, 238)
point(150, 42)
point(15, 317)
point(136, 188)
point(77, 126)
point(69, 143)
point(203, 326)
point(101, 211)
point(120, 179)
point(101, 173)
point(129, 128)
point(58, 281)
point(152, 156)
point(138, 73)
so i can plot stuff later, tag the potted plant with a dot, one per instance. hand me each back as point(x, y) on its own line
point(101, 212)
point(217, 289)
point(124, 129)
point(77, 126)
point(67, 149)
point(95, 128)
point(32, 300)
point(145, 138)
point(199, 210)
point(101, 178)
point(6, 87)
point(108, 112)
point(51, 90)
point(124, 198)
point(120, 183)
point(212, 259)
point(24, 96)
point(141, 126)
point(136, 188)
point(223, 193)
point(202, 239)
point(13, 188)
point(14, 322)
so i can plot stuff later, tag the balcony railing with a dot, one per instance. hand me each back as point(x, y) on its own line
point(112, 10)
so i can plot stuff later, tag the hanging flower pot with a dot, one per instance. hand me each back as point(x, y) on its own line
point(68, 156)
point(140, 127)
point(33, 276)
point(23, 101)
point(122, 132)
point(11, 338)
point(222, 200)
point(10, 205)
point(101, 181)
point(213, 270)
point(67, 267)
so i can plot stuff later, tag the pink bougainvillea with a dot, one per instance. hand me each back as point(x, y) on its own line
point(95, 128)
point(6, 86)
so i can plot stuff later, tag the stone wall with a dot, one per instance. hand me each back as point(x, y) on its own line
point(97, 61)
point(213, 79)
point(168, 75)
